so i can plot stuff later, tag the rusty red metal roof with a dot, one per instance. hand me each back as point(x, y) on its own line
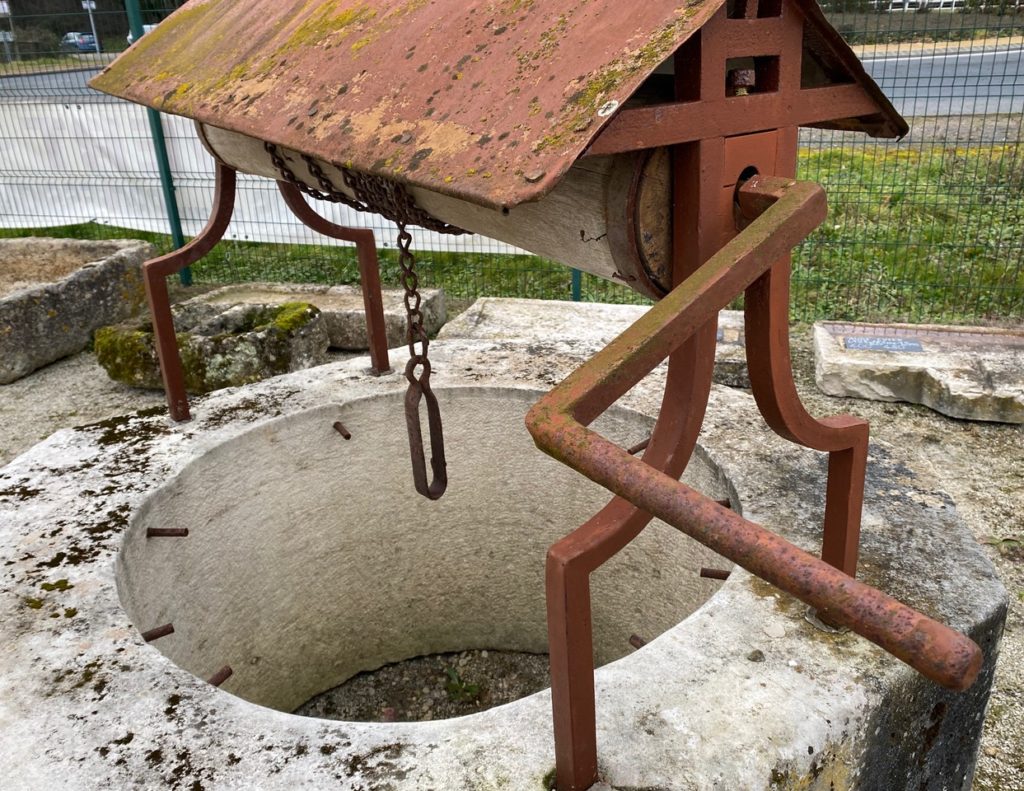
point(487, 100)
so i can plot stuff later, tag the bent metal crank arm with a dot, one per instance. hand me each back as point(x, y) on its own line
point(558, 424)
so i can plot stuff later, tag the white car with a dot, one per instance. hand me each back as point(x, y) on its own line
point(145, 30)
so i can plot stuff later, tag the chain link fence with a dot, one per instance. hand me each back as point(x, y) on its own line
point(929, 228)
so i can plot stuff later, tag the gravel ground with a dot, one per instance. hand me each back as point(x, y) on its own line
point(980, 465)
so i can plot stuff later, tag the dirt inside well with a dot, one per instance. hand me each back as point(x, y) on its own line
point(434, 687)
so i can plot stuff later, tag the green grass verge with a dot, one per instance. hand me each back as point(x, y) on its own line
point(871, 27)
point(932, 234)
point(915, 234)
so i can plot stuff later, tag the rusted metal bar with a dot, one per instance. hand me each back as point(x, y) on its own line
point(221, 676)
point(640, 446)
point(167, 532)
point(637, 641)
point(154, 274)
point(714, 574)
point(558, 424)
point(157, 632)
point(340, 428)
point(369, 270)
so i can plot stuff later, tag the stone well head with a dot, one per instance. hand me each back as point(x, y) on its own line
point(309, 559)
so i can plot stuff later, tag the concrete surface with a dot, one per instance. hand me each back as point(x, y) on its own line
point(573, 323)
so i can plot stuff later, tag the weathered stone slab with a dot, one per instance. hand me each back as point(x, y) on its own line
point(973, 373)
point(341, 306)
point(742, 694)
point(220, 345)
point(55, 292)
point(580, 324)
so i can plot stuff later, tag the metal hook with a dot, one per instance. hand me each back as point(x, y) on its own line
point(420, 388)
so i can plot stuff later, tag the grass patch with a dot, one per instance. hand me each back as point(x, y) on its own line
point(915, 234)
point(922, 234)
point(56, 63)
point(861, 28)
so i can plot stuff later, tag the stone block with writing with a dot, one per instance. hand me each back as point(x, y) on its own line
point(973, 373)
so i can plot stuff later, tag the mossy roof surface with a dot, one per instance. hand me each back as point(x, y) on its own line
point(487, 100)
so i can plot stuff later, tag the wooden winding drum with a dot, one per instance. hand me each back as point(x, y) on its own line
point(610, 216)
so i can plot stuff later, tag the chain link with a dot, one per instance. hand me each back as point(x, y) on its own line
point(329, 193)
point(391, 200)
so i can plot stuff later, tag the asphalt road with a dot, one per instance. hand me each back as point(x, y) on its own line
point(969, 83)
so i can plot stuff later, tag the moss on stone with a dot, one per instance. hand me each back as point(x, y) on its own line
point(290, 317)
point(226, 348)
point(127, 354)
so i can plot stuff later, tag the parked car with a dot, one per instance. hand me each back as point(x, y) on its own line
point(145, 29)
point(78, 42)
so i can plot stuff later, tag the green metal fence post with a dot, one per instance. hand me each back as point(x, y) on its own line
point(156, 130)
point(577, 285)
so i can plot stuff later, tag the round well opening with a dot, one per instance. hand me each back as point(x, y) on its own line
point(310, 558)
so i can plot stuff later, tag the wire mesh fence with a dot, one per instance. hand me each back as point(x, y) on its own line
point(929, 228)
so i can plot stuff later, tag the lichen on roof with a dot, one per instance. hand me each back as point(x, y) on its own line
point(486, 100)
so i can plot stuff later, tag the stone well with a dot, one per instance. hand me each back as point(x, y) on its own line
point(55, 292)
point(310, 558)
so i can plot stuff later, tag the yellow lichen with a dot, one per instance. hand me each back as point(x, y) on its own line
point(325, 24)
point(358, 45)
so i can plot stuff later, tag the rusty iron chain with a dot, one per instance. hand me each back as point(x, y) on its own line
point(392, 201)
point(329, 194)
point(419, 383)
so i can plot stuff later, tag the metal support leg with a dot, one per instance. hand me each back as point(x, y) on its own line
point(369, 270)
point(571, 560)
point(845, 437)
point(569, 565)
point(154, 274)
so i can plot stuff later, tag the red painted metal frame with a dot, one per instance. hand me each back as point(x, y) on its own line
point(648, 487)
point(156, 271)
point(644, 127)
point(706, 173)
point(369, 270)
point(155, 274)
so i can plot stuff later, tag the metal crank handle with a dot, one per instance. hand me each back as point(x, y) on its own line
point(933, 649)
point(420, 389)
